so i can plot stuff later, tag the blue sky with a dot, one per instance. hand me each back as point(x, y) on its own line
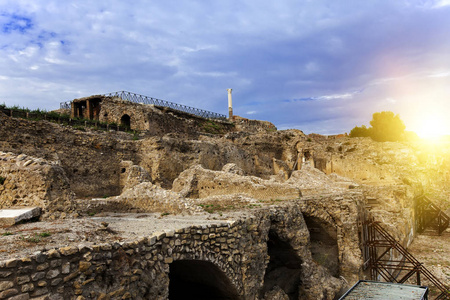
point(319, 66)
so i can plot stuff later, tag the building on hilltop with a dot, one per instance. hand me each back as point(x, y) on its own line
point(156, 116)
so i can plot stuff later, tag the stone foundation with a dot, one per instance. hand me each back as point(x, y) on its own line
point(235, 254)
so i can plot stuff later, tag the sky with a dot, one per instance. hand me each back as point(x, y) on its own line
point(321, 66)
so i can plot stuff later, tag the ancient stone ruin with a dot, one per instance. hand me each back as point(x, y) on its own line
point(187, 207)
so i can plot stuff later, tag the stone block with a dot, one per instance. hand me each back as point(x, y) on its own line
point(20, 297)
point(4, 285)
point(9, 217)
point(8, 293)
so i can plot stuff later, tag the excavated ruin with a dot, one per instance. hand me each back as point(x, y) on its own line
point(256, 214)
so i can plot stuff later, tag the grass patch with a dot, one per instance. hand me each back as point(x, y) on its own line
point(223, 205)
point(252, 205)
point(212, 208)
point(212, 127)
point(7, 233)
point(271, 201)
point(36, 238)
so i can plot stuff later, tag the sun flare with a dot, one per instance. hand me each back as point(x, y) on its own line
point(432, 127)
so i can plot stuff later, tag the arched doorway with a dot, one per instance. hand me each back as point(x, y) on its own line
point(125, 120)
point(324, 247)
point(284, 269)
point(200, 280)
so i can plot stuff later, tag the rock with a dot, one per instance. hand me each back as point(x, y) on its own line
point(25, 183)
point(233, 169)
point(276, 294)
point(9, 217)
point(198, 182)
point(132, 175)
point(150, 198)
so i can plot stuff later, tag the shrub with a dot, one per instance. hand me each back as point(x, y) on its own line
point(362, 131)
point(386, 127)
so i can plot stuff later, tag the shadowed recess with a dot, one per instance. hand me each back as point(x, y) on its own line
point(284, 267)
point(200, 280)
point(324, 247)
point(125, 120)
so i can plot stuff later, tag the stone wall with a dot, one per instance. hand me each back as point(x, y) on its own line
point(30, 181)
point(112, 110)
point(91, 160)
point(137, 270)
point(340, 212)
point(159, 120)
point(198, 182)
point(255, 126)
point(156, 120)
point(230, 256)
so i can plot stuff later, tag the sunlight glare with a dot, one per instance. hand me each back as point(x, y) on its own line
point(432, 127)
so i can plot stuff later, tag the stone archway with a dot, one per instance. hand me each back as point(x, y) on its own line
point(200, 280)
point(284, 269)
point(125, 120)
point(324, 247)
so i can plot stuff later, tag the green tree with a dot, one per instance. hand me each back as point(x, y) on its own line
point(362, 131)
point(387, 127)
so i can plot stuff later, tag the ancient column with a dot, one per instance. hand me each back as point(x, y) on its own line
point(230, 104)
point(89, 109)
point(73, 107)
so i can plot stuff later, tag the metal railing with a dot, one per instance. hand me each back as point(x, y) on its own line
point(136, 98)
point(65, 105)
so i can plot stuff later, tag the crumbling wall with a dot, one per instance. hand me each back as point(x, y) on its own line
point(165, 158)
point(90, 160)
point(255, 126)
point(341, 212)
point(112, 110)
point(198, 182)
point(156, 120)
point(29, 181)
point(139, 269)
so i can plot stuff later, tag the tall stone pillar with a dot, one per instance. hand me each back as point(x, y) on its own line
point(230, 104)
point(89, 109)
point(73, 107)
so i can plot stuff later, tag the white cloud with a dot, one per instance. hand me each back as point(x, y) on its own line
point(391, 100)
point(191, 51)
point(439, 74)
point(441, 3)
point(336, 96)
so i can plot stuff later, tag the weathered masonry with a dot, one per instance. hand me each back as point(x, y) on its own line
point(156, 116)
point(134, 115)
point(247, 258)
